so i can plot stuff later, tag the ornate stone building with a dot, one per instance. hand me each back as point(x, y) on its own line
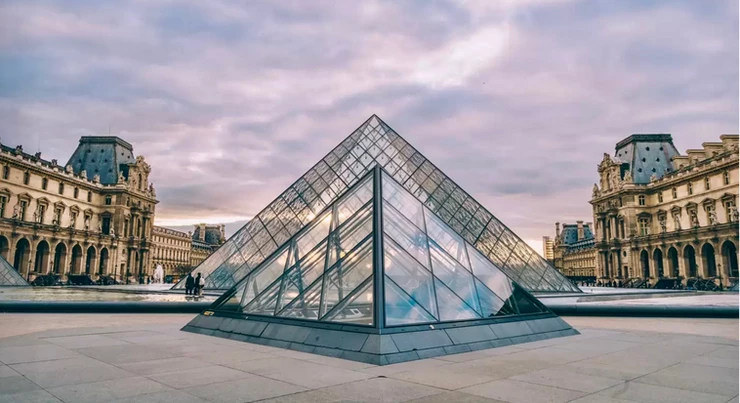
point(663, 215)
point(574, 253)
point(178, 252)
point(93, 215)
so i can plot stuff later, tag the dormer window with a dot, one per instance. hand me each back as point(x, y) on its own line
point(108, 200)
point(641, 200)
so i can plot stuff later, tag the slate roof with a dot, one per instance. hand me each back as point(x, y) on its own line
point(102, 155)
point(647, 154)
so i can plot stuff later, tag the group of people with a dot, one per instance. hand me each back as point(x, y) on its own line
point(194, 286)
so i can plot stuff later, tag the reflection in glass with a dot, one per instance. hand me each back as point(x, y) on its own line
point(489, 274)
point(343, 239)
point(347, 275)
point(306, 305)
point(454, 276)
point(450, 306)
point(402, 201)
point(408, 236)
point(445, 237)
point(356, 308)
point(264, 276)
point(407, 273)
point(401, 309)
point(313, 236)
point(301, 275)
point(491, 305)
point(350, 204)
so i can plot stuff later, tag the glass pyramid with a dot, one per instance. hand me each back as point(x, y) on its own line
point(377, 243)
point(9, 276)
point(373, 144)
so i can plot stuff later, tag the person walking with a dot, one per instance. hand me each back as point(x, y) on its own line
point(189, 284)
point(198, 280)
point(201, 285)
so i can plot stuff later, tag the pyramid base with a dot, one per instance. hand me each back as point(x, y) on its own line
point(365, 345)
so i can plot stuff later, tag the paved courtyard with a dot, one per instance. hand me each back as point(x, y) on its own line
point(145, 358)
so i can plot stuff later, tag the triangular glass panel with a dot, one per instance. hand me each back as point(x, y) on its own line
point(306, 305)
point(349, 234)
point(451, 307)
point(407, 235)
point(454, 276)
point(264, 303)
point(356, 308)
point(265, 275)
point(491, 305)
point(401, 308)
point(445, 237)
point(489, 274)
point(410, 275)
point(526, 303)
point(342, 279)
point(301, 275)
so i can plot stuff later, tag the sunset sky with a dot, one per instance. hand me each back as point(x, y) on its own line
point(231, 101)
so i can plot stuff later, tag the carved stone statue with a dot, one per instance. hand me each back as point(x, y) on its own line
point(96, 178)
point(35, 216)
point(595, 192)
point(677, 222)
point(68, 169)
point(111, 231)
point(151, 190)
point(83, 174)
point(713, 218)
point(121, 178)
point(17, 211)
point(100, 228)
point(628, 176)
point(87, 223)
point(653, 178)
point(694, 219)
point(614, 182)
point(663, 226)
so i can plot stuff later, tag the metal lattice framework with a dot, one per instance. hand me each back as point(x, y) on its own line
point(372, 144)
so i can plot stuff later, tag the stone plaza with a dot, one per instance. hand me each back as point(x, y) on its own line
point(146, 358)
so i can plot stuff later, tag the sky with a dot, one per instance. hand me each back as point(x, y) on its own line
point(231, 101)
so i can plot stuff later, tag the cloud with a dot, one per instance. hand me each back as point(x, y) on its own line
point(231, 102)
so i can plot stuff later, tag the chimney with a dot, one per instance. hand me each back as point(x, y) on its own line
point(557, 229)
point(580, 230)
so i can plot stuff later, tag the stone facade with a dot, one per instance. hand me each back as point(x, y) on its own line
point(93, 215)
point(663, 215)
point(574, 253)
point(179, 252)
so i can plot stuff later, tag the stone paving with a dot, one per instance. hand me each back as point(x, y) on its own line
point(145, 358)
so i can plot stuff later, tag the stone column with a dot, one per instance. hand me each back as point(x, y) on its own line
point(682, 269)
point(722, 269)
point(667, 266)
point(701, 269)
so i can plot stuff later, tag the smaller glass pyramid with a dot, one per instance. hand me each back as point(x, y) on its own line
point(9, 276)
point(377, 244)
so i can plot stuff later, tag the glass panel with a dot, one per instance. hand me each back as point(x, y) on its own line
point(232, 304)
point(265, 303)
point(491, 305)
point(450, 306)
point(405, 203)
point(356, 308)
point(306, 305)
point(489, 274)
point(264, 276)
point(352, 202)
point(347, 275)
point(409, 274)
point(350, 234)
point(313, 236)
point(525, 302)
point(407, 235)
point(445, 237)
point(299, 277)
point(454, 276)
point(401, 309)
